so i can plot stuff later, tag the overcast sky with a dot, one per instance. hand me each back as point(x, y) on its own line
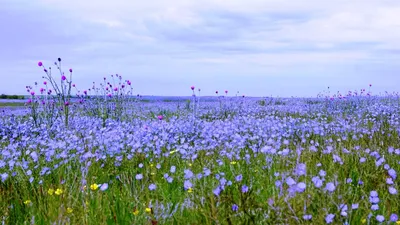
point(256, 47)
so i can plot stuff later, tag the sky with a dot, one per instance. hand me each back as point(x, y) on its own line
point(255, 47)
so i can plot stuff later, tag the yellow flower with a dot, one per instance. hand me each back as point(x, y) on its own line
point(94, 187)
point(363, 220)
point(233, 163)
point(50, 191)
point(148, 210)
point(69, 210)
point(27, 202)
point(153, 173)
point(58, 191)
point(190, 190)
point(190, 164)
point(172, 152)
point(398, 222)
point(135, 212)
point(151, 165)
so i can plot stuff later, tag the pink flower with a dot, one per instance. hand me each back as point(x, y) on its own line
point(66, 103)
point(40, 63)
point(226, 91)
point(160, 117)
point(70, 70)
point(73, 85)
point(45, 83)
point(63, 77)
point(116, 89)
point(29, 101)
point(109, 95)
point(192, 87)
point(32, 93)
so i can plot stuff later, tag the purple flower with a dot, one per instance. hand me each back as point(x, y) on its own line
point(300, 169)
point(392, 173)
point(187, 184)
point(354, 206)
point(330, 187)
point(307, 217)
point(40, 63)
point(317, 182)
point(389, 180)
point(392, 190)
point(290, 181)
point(394, 217)
point(373, 194)
point(301, 187)
point(104, 187)
point(139, 176)
point(173, 169)
point(235, 207)
point(239, 178)
point(70, 70)
point(160, 117)
point(152, 187)
point(63, 77)
point(329, 218)
point(217, 191)
point(245, 189)
point(374, 207)
point(380, 218)
point(322, 173)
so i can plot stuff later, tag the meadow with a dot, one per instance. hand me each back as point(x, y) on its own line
point(104, 156)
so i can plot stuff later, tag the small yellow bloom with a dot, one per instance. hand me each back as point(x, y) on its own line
point(58, 191)
point(190, 164)
point(363, 220)
point(233, 162)
point(153, 173)
point(151, 165)
point(398, 222)
point(172, 152)
point(148, 210)
point(69, 210)
point(94, 187)
point(27, 202)
point(190, 190)
point(50, 191)
point(135, 212)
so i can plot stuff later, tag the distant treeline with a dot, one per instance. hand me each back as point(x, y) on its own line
point(3, 96)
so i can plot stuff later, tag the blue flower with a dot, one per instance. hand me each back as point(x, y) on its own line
point(245, 189)
point(239, 178)
point(394, 217)
point(380, 218)
point(330, 187)
point(329, 218)
point(152, 187)
point(235, 207)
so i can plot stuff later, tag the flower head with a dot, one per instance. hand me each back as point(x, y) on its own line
point(94, 187)
point(70, 70)
point(192, 87)
point(40, 63)
point(50, 191)
point(59, 191)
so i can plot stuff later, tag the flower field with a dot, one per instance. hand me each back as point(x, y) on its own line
point(105, 156)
